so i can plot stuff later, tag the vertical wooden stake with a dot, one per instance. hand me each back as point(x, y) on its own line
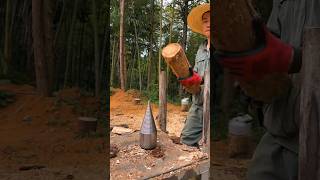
point(309, 148)
point(206, 112)
point(163, 101)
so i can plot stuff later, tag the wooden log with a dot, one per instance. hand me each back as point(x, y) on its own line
point(234, 32)
point(177, 60)
point(163, 101)
point(87, 124)
point(309, 148)
point(232, 22)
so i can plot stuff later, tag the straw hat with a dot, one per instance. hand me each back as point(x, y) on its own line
point(195, 17)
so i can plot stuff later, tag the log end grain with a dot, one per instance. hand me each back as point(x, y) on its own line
point(171, 50)
point(175, 57)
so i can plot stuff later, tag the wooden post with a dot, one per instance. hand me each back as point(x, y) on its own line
point(206, 112)
point(163, 101)
point(309, 152)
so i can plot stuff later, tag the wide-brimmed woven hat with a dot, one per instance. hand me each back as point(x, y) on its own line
point(195, 17)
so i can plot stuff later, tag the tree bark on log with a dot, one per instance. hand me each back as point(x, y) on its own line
point(232, 25)
point(177, 60)
point(309, 152)
point(233, 31)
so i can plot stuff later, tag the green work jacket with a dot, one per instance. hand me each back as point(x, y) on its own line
point(202, 62)
point(288, 19)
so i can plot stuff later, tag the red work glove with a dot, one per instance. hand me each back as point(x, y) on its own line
point(274, 57)
point(193, 79)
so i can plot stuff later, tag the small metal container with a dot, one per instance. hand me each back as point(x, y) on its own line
point(148, 131)
point(185, 104)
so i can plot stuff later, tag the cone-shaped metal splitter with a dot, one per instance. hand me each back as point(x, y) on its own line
point(148, 131)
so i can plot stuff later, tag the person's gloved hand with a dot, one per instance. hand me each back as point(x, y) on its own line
point(193, 79)
point(273, 57)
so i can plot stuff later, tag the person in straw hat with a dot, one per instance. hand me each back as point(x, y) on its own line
point(199, 22)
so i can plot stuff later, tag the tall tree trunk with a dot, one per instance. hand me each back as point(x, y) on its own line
point(105, 53)
point(29, 66)
point(73, 62)
point(138, 56)
point(185, 33)
point(42, 43)
point(185, 24)
point(96, 49)
point(70, 40)
point(125, 66)
point(170, 40)
point(150, 47)
point(160, 40)
point(48, 29)
point(7, 38)
point(60, 21)
point(113, 62)
point(121, 45)
point(79, 55)
point(131, 67)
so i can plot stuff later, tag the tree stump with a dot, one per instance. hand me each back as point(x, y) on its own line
point(137, 101)
point(87, 124)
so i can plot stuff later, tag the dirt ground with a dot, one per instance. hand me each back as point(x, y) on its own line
point(124, 111)
point(226, 168)
point(133, 162)
point(40, 137)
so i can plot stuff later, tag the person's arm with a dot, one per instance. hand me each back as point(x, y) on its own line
point(193, 79)
point(275, 27)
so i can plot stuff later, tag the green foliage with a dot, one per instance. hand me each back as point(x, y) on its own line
point(80, 46)
point(139, 12)
point(153, 94)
